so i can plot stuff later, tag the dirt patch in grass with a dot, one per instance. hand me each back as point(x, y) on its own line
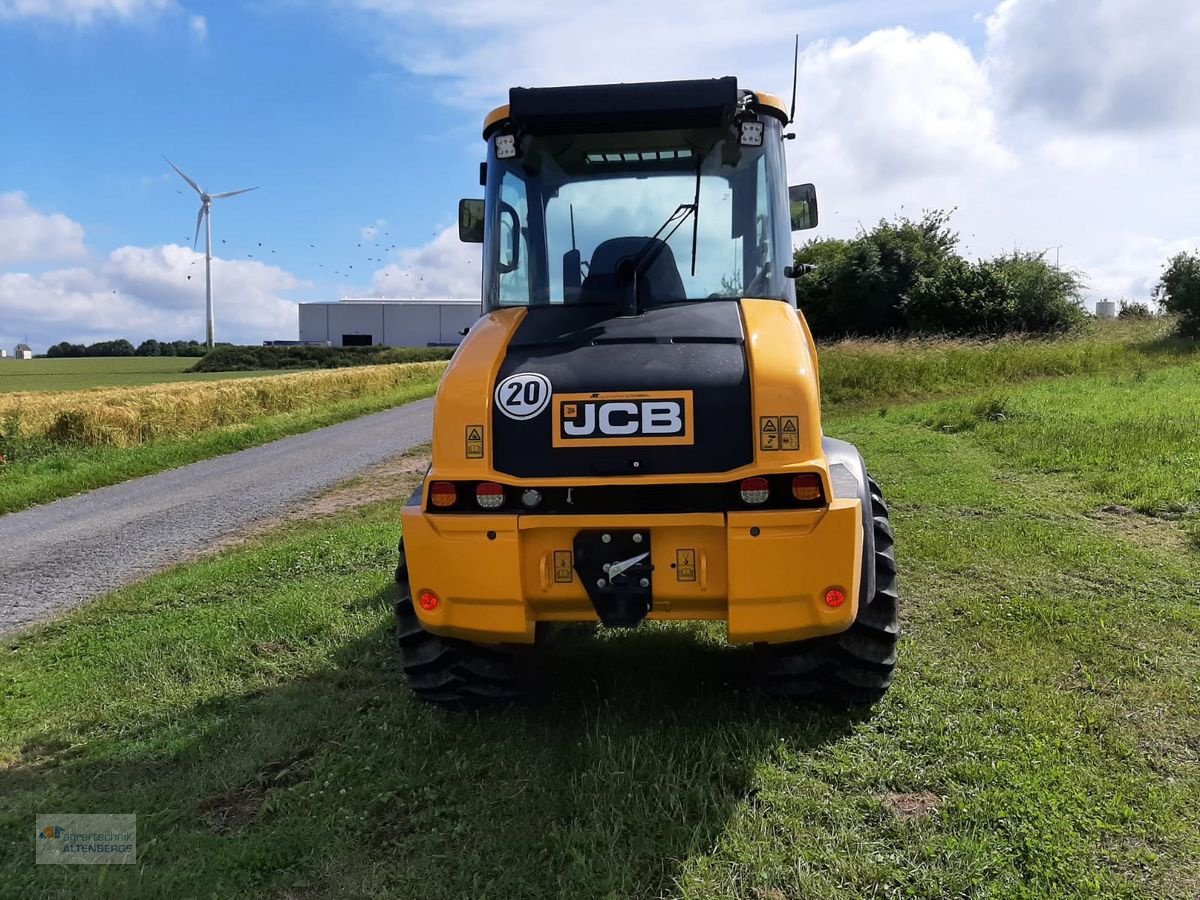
point(1141, 529)
point(918, 805)
point(392, 479)
point(234, 810)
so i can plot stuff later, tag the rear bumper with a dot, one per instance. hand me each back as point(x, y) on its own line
point(765, 573)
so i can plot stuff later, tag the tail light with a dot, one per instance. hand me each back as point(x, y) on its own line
point(807, 486)
point(443, 494)
point(754, 490)
point(489, 495)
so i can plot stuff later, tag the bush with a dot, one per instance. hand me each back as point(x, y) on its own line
point(907, 277)
point(1134, 311)
point(1046, 299)
point(1179, 291)
point(961, 298)
point(246, 359)
point(858, 285)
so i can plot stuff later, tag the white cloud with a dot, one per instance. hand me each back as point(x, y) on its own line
point(895, 106)
point(445, 267)
point(480, 47)
point(27, 235)
point(1135, 269)
point(141, 292)
point(80, 12)
point(1118, 65)
point(199, 28)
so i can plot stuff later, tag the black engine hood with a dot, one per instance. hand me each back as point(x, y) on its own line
point(697, 347)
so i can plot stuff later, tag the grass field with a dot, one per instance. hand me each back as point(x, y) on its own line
point(56, 444)
point(1042, 738)
point(92, 372)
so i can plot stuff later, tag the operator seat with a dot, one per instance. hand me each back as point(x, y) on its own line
point(659, 282)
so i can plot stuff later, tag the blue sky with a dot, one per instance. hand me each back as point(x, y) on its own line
point(1029, 116)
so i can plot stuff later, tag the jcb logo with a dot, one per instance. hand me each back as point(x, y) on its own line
point(619, 419)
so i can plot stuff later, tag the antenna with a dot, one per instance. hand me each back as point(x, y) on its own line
point(572, 226)
point(795, 72)
point(204, 216)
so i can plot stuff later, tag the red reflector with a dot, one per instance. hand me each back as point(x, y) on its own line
point(807, 486)
point(834, 597)
point(489, 495)
point(443, 493)
point(754, 490)
point(428, 600)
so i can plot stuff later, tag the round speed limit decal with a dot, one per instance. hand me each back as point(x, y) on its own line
point(524, 395)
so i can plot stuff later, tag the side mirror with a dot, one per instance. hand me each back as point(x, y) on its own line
point(802, 199)
point(470, 221)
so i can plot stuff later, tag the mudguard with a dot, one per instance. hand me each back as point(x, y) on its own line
point(848, 473)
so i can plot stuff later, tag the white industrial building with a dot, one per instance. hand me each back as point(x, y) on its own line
point(374, 321)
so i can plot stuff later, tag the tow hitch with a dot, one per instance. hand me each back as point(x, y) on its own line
point(615, 569)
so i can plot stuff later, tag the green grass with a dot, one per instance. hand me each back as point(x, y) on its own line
point(249, 708)
point(64, 470)
point(90, 372)
point(874, 372)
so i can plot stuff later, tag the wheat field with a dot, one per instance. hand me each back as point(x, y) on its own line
point(130, 416)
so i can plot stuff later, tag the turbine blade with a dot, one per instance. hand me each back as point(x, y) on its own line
point(233, 193)
point(199, 219)
point(195, 187)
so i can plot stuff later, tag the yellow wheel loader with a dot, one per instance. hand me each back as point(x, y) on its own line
point(632, 429)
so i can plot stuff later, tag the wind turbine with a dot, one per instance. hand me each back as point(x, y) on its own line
point(205, 215)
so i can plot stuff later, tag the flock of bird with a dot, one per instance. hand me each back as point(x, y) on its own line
point(371, 244)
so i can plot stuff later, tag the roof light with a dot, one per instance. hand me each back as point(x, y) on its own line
point(489, 495)
point(751, 134)
point(807, 486)
point(754, 490)
point(506, 146)
point(443, 494)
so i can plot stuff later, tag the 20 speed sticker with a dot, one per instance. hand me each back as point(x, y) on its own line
point(524, 395)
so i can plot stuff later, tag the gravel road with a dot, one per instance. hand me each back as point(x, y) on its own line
point(56, 556)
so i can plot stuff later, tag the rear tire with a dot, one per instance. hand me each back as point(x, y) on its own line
point(857, 666)
point(448, 671)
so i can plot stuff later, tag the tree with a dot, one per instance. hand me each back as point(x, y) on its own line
point(65, 349)
point(1179, 291)
point(149, 347)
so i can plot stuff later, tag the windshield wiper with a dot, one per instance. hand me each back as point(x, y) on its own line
point(633, 266)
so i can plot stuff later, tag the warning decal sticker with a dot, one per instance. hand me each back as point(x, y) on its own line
point(685, 565)
point(768, 432)
point(474, 442)
point(778, 432)
point(789, 433)
point(563, 571)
